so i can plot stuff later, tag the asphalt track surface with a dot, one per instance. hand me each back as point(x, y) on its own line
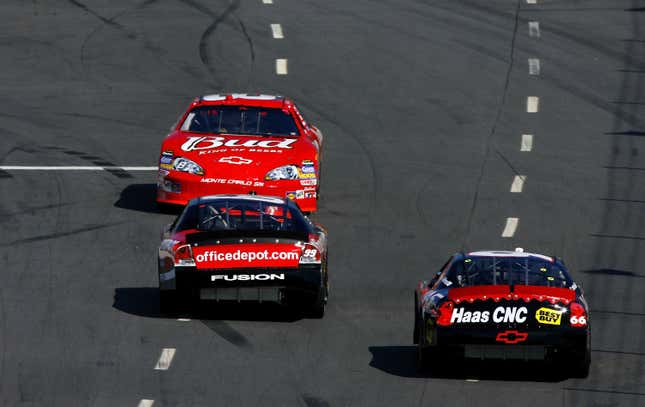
point(423, 105)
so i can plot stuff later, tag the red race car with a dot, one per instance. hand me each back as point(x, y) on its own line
point(241, 144)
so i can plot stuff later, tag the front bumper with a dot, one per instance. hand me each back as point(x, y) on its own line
point(252, 284)
point(178, 188)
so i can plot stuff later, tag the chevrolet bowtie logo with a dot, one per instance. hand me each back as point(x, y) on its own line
point(511, 337)
point(235, 160)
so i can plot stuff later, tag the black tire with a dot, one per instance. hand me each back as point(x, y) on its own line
point(415, 332)
point(316, 308)
point(168, 302)
point(580, 364)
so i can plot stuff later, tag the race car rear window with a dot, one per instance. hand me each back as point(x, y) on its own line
point(240, 120)
point(222, 215)
point(489, 270)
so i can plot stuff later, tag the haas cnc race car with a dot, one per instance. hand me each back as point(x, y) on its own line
point(239, 248)
point(242, 144)
point(503, 305)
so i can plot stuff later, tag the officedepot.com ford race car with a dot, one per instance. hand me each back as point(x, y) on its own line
point(235, 248)
point(239, 143)
point(503, 305)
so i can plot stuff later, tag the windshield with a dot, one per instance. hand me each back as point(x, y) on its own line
point(489, 270)
point(242, 215)
point(240, 120)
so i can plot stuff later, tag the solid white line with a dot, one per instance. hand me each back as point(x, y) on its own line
point(281, 66)
point(71, 168)
point(510, 227)
point(534, 29)
point(276, 30)
point(518, 183)
point(527, 142)
point(472, 380)
point(534, 66)
point(527, 1)
point(532, 104)
point(165, 359)
point(267, 1)
point(183, 319)
point(146, 403)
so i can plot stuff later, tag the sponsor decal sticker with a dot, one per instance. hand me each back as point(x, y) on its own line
point(247, 277)
point(246, 256)
point(548, 316)
point(499, 315)
point(235, 160)
point(308, 182)
point(213, 142)
point(308, 169)
point(307, 162)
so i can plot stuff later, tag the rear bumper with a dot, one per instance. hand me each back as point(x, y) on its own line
point(256, 285)
point(539, 344)
point(179, 188)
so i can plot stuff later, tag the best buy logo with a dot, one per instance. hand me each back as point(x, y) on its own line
point(548, 316)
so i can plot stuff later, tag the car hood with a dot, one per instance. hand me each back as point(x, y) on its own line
point(240, 156)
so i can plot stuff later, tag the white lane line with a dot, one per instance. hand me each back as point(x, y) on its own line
point(534, 66)
point(534, 29)
point(71, 168)
point(183, 319)
point(276, 30)
point(267, 1)
point(531, 1)
point(510, 227)
point(527, 142)
point(281, 66)
point(472, 380)
point(146, 403)
point(165, 359)
point(532, 104)
point(518, 183)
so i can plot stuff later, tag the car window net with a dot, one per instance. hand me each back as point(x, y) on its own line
point(240, 120)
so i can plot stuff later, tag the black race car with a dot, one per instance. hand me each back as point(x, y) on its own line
point(503, 305)
point(244, 248)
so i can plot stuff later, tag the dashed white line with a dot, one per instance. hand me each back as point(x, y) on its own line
point(527, 142)
point(281, 66)
point(532, 104)
point(531, 1)
point(534, 29)
point(534, 66)
point(267, 1)
point(183, 319)
point(276, 31)
point(510, 227)
point(71, 168)
point(472, 380)
point(165, 359)
point(146, 403)
point(518, 183)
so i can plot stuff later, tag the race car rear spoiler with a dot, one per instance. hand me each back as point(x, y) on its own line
point(205, 236)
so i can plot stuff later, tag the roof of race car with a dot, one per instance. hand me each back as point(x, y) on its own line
point(217, 97)
point(246, 197)
point(520, 253)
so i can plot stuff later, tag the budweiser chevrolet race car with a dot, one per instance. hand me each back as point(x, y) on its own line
point(503, 305)
point(239, 143)
point(237, 248)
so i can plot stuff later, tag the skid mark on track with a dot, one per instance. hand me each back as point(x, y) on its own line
point(58, 235)
point(228, 333)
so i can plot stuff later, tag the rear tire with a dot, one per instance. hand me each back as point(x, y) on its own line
point(579, 365)
point(167, 302)
point(316, 308)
